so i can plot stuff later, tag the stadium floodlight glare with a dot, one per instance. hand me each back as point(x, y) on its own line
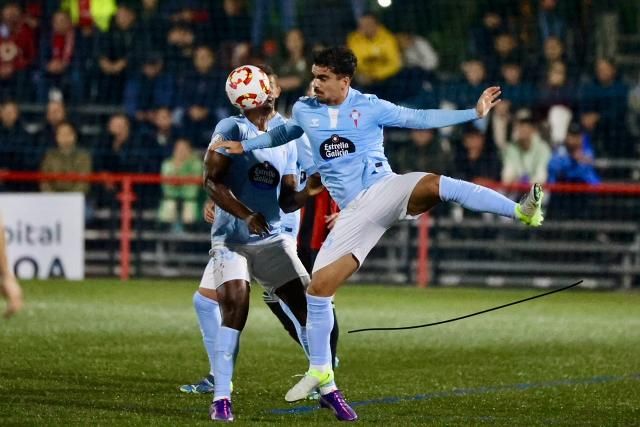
point(384, 3)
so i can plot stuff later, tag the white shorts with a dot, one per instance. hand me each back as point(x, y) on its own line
point(363, 222)
point(271, 264)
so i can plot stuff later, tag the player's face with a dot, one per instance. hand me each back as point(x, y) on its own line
point(329, 87)
point(270, 104)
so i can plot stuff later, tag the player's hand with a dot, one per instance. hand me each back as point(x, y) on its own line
point(314, 185)
point(209, 212)
point(488, 100)
point(230, 147)
point(257, 224)
point(330, 220)
point(13, 293)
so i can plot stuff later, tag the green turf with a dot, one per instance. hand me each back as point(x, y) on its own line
point(110, 353)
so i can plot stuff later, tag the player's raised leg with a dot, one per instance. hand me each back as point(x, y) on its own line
point(432, 189)
point(233, 297)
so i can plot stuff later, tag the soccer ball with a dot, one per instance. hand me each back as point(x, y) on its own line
point(248, 87)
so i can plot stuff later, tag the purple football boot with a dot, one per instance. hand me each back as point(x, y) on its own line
point(221, 410)
point(336, 402)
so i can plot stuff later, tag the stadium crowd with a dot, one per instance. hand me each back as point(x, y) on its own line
point(158, 67)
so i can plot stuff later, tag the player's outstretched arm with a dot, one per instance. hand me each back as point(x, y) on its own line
point(216, 167)
point(395, 116)
point(277, 136)
point(292, 200)
point(9, 286)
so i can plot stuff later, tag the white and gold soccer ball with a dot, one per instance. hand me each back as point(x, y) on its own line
point(248, 87)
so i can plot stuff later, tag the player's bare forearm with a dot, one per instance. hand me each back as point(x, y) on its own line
point(216, 167)
point(292, 200)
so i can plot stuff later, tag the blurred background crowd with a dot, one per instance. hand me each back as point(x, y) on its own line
point(138, 86)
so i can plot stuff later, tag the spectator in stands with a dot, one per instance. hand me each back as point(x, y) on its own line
point(293, 70)
point(476, 160)
point(417, 52)
point(233, 33)
point(195, 14)
point(118, 51)
point(89, 14)
point(200, 93)
point(526, 159)
point(379, 57)
point(58, 61)
point(556, 90)
point(500, 125)
point(262, 10)
point(554, 51)
point(481, 36)
point(18, 52)
point(604, 103)
point(180, 47)
point(152, 24)
point(56, 114)
point(15, 144)
point(517, 92)
point(148, 89)
point(420, 63)
point(120, 152)
point(574, 161)
point(424, 151)
point(158, 142)
point(464, 93)
point(179, 204)
point(506, 50)
point(66, 158)
point(317, 16)
point(550, 23)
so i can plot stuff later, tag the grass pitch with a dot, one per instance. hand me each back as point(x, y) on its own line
point(109, 353)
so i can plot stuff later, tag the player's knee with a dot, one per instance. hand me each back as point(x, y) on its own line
point(321, 286)
point(208, 293)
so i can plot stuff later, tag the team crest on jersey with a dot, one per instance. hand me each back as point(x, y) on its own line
point(336, 146)
point(355, 116)
point(264, 176)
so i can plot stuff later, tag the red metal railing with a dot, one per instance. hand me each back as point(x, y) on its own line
point(127, 198)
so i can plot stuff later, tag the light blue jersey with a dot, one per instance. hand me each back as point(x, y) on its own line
point(347, 140)
point(305, 167)
point(254, 178)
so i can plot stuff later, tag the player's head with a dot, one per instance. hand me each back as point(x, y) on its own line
point(270, 104)
point(333, 69)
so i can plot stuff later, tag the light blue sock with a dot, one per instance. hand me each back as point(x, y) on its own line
point(300, 330)
point(208, 313)
point(475, 197)
point(226, 345)
point(319, 325)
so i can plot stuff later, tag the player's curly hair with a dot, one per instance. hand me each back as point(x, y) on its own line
point(339, 59)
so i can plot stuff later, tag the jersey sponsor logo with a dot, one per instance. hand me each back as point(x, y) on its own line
point(264, 176)
point(336, 146)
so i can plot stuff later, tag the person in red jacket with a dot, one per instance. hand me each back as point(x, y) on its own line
point(17, 52)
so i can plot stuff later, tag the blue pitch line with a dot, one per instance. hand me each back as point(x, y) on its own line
point(462, 392)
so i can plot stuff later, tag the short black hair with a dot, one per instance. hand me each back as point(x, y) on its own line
point(339, 59)
point(267, 69)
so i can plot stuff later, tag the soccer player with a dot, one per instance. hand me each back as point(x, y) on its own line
point(249, 192)
point(9, 286)
point(345, 128)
